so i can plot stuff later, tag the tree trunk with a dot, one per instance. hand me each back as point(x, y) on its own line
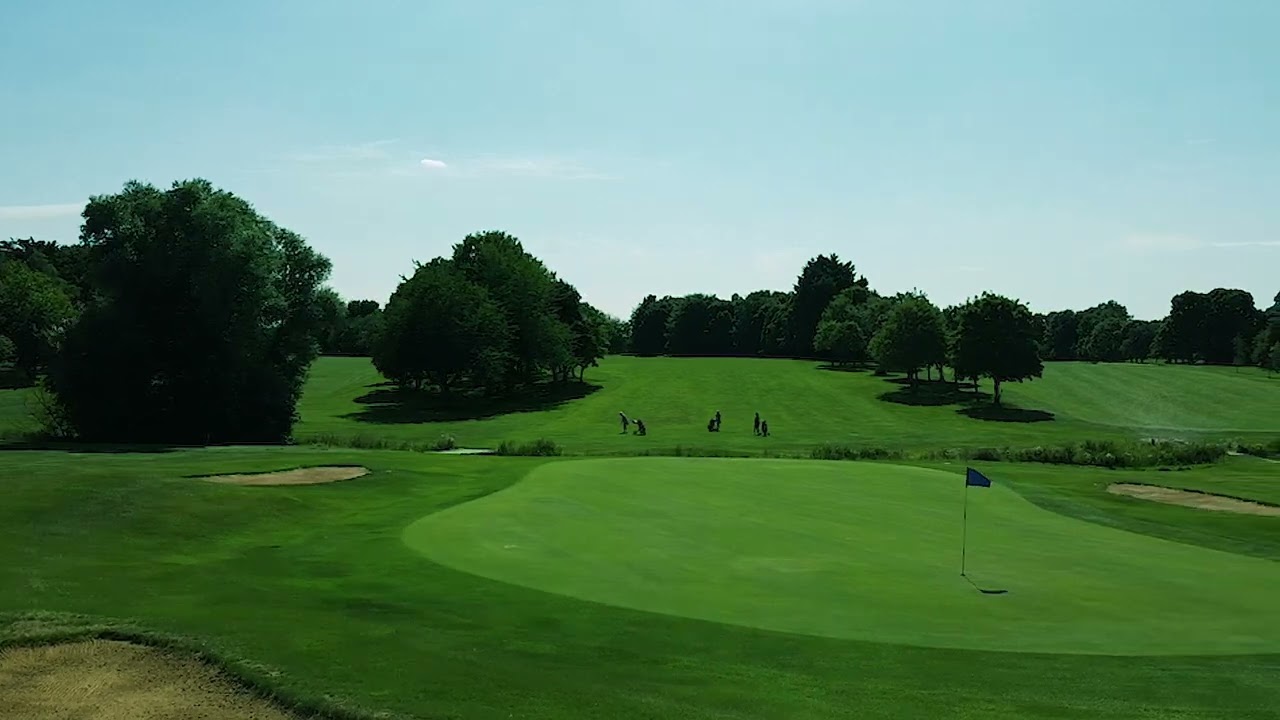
point(928, 373)
point(942, 376)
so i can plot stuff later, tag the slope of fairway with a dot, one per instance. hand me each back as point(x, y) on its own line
point(849, 550)
point(1162, 399)
point(346, 399)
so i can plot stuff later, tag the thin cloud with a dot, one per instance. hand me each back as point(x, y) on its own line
point(433, 164)
point(549, 168)
point(1246, 243)
point(1161, 242)
point(1184, 243)
point(374, 150)
point(40, 212)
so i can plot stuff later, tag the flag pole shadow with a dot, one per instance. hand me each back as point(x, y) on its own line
point(984, 591)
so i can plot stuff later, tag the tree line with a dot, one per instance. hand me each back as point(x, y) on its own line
point(183, 315)
point(832, 313)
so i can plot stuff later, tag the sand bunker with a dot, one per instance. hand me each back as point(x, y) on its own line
point(1187, 498)
point(109, 680)
point(301, 476)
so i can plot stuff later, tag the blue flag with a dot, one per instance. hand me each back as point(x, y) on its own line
point(976, 479)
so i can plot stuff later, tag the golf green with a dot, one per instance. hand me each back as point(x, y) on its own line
point(854, 550)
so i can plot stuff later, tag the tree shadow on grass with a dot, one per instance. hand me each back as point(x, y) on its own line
point(78, 448)
point(1005, 413)
point(389, 405)
point(973, 403)
point(932, 394)
point(851, 368)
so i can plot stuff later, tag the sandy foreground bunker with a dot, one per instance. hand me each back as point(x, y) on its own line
point(1188, 498)
point(112, 680)
point(300, 476)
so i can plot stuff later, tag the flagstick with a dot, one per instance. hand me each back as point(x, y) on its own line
point(964, 534)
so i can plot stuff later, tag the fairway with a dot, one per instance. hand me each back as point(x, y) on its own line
point(347, 401)
point(858, 551)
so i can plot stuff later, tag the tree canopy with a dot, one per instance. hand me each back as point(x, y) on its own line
point(912, 338)
point(34, 310)
point(491, 317)
point(822, 278)
point(202, 321)
point(440, 328)
point(995, 338)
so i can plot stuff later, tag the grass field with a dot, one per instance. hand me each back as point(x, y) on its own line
point(316, 589)
point(489, 587)
point(806, 406)
point(865, 551)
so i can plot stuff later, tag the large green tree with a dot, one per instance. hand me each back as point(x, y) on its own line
point(1104, 345)
point(700, 325)
point(755, 321)
point(202, 322)
point(69, 264)
point(822, 278)
point(34, 310)
point(1232, 315)
point(587, 341)
point(995, 338)
point(1203, 327)
point(841, 336)
point(1268, 334)
point(524, 289)
point(649, 325)
point(616, 333)
point(841, 341)
point(1184, 328)
point(1104, 341)
point(332, 311)
point(441, 329)
point(912, 338)
point(1139, 340)
point(1061, 333)
point(360, 328)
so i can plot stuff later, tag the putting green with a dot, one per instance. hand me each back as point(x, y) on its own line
point(854, 550)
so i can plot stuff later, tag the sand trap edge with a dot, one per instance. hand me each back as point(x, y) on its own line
point(298, 476)
point(102, 674)
point(1196, 499)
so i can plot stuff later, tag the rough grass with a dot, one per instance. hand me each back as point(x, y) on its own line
point(806, 407)
point(314, 588)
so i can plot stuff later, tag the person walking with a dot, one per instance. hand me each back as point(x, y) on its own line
point(764, 428)
point(626, 423)
point(756, 428)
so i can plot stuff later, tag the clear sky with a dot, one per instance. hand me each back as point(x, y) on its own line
point(1061, 152)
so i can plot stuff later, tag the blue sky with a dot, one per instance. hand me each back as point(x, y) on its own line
point(1064, 153)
